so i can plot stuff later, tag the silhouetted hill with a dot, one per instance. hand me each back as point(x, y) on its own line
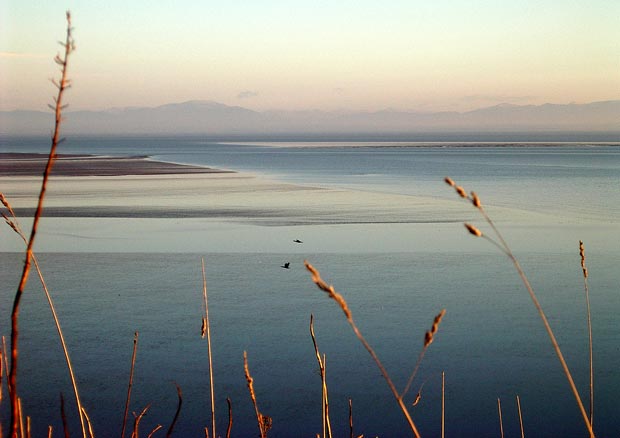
point(206, 117)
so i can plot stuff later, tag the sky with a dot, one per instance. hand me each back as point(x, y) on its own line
point(352, 55)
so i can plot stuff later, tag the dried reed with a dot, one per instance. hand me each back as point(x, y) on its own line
point(62, 85)
point(155, 429)
point(13, 222)
point(329, 289)
point(130, 384)
point(501, 423)
point(584, 269)
point(136, 421)
point(206, 331)
point(230, 417)
point(264, 421)
point(443, 404)
point(177, 413)
point(63, 416)
point(350, 419)
point(327, 428)
point(428, 340)
point(520, 417)
point(89, 425)
point(503, 246)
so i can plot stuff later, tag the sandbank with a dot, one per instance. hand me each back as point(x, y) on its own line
point(18, 164)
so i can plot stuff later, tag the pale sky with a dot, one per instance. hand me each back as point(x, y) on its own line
point(330, 55)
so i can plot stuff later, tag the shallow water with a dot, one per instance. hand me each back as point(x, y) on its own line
point(490, 344)
point(111, 277)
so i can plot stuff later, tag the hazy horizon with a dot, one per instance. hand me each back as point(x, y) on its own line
point(354, 56)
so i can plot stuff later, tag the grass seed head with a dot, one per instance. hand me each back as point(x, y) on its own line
point(461, 191)
point(473, 230)
point(449, 181)
point(475, 200)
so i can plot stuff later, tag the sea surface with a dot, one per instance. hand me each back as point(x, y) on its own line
point(394, 277)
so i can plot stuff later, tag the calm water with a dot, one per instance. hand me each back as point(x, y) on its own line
point(490, 344)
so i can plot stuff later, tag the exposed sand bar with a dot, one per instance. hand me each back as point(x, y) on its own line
point(136, 187)
point(15, 164)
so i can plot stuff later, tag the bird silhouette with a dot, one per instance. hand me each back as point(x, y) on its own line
point(297, 241)
point(286, 265)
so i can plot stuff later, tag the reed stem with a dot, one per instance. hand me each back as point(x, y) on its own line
point(501, 423)
point(582, 253)
point(520, 417)
point(62, 85)
point(207, 331)
point(504, 247)
point(130, 385)
point(321, 284)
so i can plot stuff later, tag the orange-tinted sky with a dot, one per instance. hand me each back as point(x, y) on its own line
point(355, 55)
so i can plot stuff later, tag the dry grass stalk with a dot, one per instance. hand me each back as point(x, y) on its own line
point(50, 429)
point(230, 417)
point(89, 425)
point(428, 340)
point(62, 85)
point(443, 404)
point(177, 413)
point(130, 385)
point(136, 421)
point(21, 417)
point(206, 330)
point(13, 222)
point(520, 417)
point(350, 419)
point(155, 429)
point(503, 246)
point(63, 416)
point(329, 289)
point(501, 423)
point(584, 269)
point(264, 421)
point(327, 428)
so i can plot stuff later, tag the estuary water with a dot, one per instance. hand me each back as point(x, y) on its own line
point(395, 277)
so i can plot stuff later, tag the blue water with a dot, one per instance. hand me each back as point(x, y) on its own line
point(491, 343)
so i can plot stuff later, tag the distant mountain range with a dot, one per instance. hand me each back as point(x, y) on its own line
point(206, 117)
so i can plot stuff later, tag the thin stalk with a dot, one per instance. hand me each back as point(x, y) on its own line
point(586, 288)
point(316, 277)
point(230, 417)
point(520, 417)
point(178, 411)
point(264, 422)
point(136, 421)
point(130, 385)
point(207, 331)
point(63, 417)
point(327, 429)
point(155, 429)
point(475, 200)
point(350, 419)
point(13, 222)
point(443, 404)
point(62, 85)
point(501, 423)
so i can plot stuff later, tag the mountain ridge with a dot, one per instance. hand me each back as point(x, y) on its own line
point(210, 117)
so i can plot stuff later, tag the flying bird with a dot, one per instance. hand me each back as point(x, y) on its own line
point(286, 265)
point(297, 241)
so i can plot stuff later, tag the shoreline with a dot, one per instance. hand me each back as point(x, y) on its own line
point(14, 164)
